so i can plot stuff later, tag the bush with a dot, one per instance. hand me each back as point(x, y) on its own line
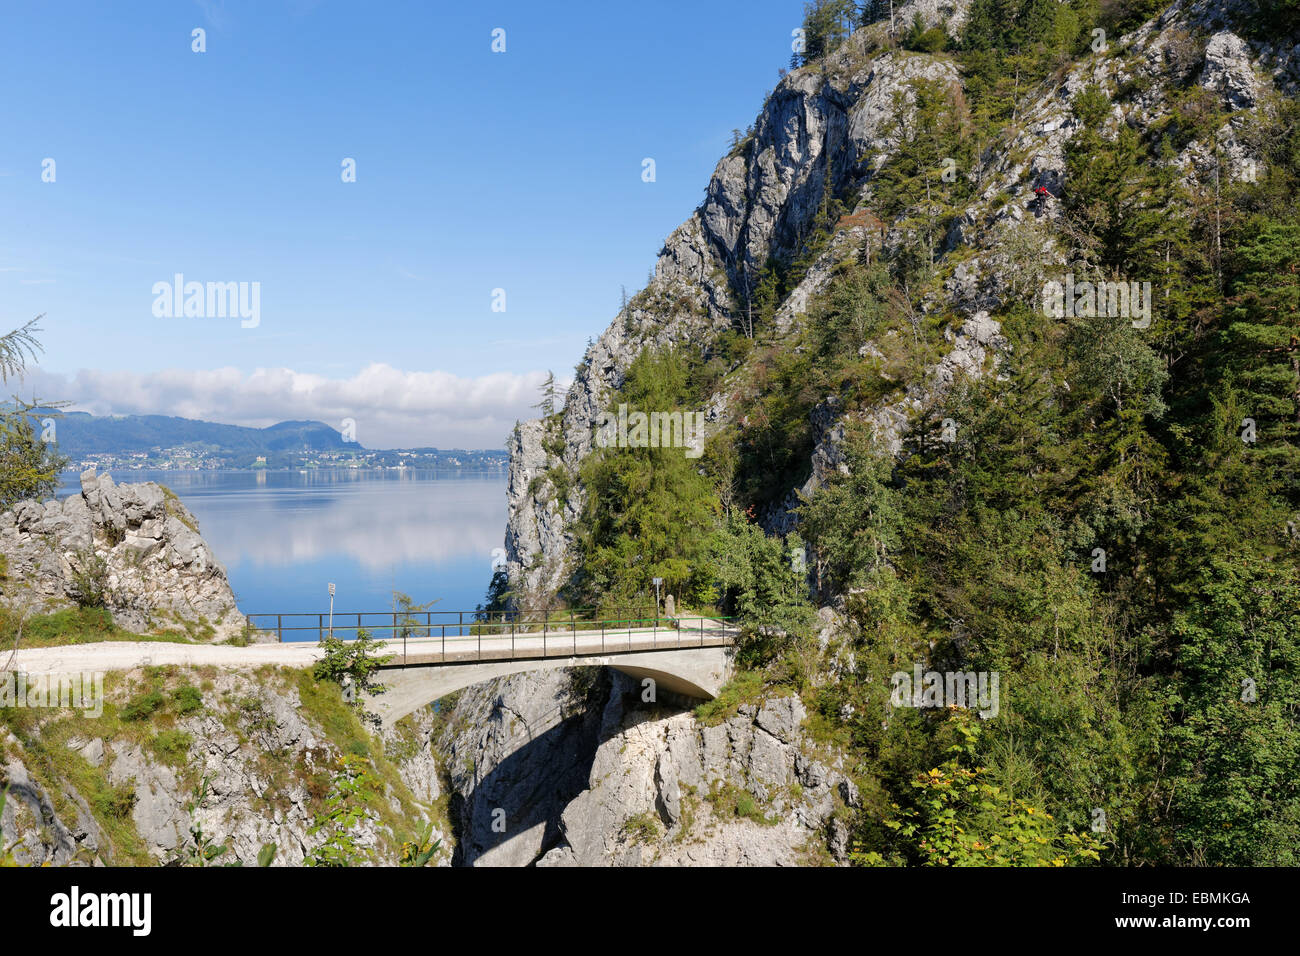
point(173, 746)
point(29, 468)
point(642, 828)
point(143, 706)
point(746, 687)
point(89, 579)
point(924, 40)
point(959, 818)
point(117, 802)
point(187, 699)
point(352, 665)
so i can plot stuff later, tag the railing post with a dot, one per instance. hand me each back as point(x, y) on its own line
point(460, 623)
point(574, 624)
point(320, 632)
point(279, 628)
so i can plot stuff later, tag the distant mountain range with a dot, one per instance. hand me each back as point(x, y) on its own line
point(80, 433)
point(163, 441)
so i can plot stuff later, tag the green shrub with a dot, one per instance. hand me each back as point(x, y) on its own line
point(89, 579)
point(172, 746)
point(31, 465)
point(353, 666)
point(746, 687)
point(731, 802)
point(143, 706)
point(187, 699)
point(642, 828)
point(116, 802)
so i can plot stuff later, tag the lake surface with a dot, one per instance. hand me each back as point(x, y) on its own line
point(284, 536)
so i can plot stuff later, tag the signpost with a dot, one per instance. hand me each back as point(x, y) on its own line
point(658, 582)
point(331, 609)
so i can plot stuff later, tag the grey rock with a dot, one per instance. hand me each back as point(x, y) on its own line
point(160, 570)
point(649, 763)
point(33, 831)
point(1228, 70)
point(781, 717)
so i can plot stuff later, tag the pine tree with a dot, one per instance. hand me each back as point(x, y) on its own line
point(548, 390)
point(29, 468)
point(1258, 348)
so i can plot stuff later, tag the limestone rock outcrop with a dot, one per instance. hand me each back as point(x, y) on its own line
point(565, 768)
point(267, 764)
point(135, 544)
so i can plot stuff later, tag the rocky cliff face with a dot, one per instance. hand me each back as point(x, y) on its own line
point(575, 769)
point(86, 789)
point(819, 133)
point(136, 542)
point(824, 131)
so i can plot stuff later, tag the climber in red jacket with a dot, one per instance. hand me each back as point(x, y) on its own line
point(1041, 195)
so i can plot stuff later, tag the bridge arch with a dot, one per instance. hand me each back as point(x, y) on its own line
point(697, 672)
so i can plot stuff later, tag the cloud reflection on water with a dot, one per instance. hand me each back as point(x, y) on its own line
point(278, 519)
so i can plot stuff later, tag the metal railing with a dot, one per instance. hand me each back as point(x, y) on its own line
point(560, 633)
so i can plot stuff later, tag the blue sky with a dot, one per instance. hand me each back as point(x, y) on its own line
point(475, 171)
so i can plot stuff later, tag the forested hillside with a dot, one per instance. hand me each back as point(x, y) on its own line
point(943, 437)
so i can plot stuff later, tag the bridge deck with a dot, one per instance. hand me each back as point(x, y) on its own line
point(471, 648)
point(414, 651)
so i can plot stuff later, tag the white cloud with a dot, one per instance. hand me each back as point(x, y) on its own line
point(392, 408)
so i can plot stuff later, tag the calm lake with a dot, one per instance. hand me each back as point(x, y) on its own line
point(284, 536)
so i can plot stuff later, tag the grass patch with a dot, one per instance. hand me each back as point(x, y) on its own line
point(172, 747)
point(77, 625)
point(732, 803)
point(642, 829)
point(143, 706)
point(187, 699)
point(745, 688)
point(406, 742)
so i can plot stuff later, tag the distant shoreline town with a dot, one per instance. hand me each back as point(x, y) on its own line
point(167, 443)
point(185, 459)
